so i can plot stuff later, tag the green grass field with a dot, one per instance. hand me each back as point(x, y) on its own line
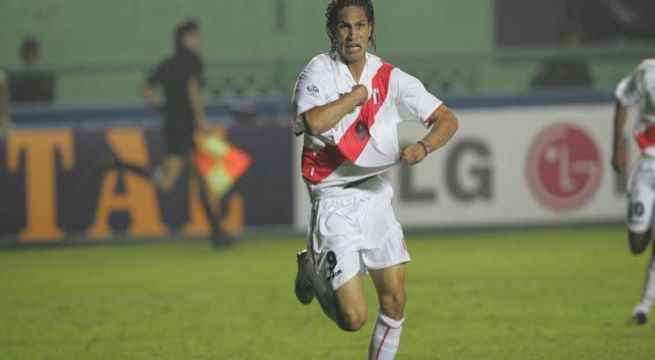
point(561, 294)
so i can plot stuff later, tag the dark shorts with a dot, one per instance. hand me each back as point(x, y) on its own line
point(178, 138)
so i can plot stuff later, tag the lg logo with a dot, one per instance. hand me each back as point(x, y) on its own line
point(563, 168)
point(468, 173)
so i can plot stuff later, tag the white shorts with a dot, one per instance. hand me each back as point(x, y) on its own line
point(354, 234)
point(641, 196)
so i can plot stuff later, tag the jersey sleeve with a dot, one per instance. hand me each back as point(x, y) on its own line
point(310, 91)
point(415, 103)
point(627, 92)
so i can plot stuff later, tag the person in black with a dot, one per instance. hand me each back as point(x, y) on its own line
point(5, 117)
point(32, 83)
point(180, 76)
point(571, 73)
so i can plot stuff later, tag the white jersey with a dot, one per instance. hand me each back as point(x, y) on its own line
point(365, 142)
point(638, 88)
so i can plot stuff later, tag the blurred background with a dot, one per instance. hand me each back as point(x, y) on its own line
point(516, 227)
point(512, 70)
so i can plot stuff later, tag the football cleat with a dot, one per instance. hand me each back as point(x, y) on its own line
point(640, 318)
point(303, 288)
point(221, 240)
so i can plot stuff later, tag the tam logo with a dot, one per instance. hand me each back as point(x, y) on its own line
point(563, 168)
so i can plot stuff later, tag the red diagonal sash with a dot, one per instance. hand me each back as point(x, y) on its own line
point(318, 165)
point(646, 138)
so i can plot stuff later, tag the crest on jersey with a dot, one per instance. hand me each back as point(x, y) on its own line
point(376, 96)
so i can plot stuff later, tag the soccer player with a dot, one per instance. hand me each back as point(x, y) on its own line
point(348, 104)
point(639, 88)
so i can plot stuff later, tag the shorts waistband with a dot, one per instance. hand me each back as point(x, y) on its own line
point(358, 182)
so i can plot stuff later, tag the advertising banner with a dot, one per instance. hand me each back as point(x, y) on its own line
point(508, 167)
point(52, 185)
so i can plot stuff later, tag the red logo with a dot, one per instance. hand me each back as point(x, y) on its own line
point(563, 168)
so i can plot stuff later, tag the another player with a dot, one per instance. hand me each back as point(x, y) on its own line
point(348, 103)
point(638, 88)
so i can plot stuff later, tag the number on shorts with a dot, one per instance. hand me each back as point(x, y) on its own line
point(637, 209)
point(331, 260)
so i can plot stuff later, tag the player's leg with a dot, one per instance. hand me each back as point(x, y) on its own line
point(641, 198)
point(346, 305)
point(333, 277)
point(331, 267)
point(351, 305)
point(390, 286)
point(169, 173)
point(218, 237)
point(386, 265)
point(640, 223)
point(164, 176)
point(641, 310)
point(111, 161)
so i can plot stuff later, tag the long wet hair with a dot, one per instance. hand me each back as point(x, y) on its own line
point(332, 18)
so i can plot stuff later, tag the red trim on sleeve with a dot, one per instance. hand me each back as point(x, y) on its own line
point(430, 121)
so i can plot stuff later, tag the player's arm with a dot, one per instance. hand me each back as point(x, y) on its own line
point(618, 156)
point(322, 118)
point(445, 125)
point(150, 96)
point(195, 99)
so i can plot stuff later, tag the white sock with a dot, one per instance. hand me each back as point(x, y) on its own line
point(385, 338)
point(648, 295)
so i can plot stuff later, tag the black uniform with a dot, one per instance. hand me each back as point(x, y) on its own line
point(173, 74)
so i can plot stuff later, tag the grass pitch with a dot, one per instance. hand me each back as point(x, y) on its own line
point(564, 294)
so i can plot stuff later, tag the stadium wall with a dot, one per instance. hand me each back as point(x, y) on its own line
point(101, 51)
point(124, 31)
point(516, 161)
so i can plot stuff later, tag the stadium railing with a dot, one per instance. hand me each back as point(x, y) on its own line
point(243, 87)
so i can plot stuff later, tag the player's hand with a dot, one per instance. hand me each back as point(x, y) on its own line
point(619, 161)
point(413, 154)
point(361, 92)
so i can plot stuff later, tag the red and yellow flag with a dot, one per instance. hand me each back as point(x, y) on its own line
point(220, 163)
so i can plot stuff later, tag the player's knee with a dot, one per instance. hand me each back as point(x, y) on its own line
point(639, 241)
point(352, 320)
point(393, 304)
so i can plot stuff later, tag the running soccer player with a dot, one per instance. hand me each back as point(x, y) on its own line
point(348, 104)
point(639, 88)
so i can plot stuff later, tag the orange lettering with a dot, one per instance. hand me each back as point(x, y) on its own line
point(40, 148)
point(233, 221)
point(139, 199)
